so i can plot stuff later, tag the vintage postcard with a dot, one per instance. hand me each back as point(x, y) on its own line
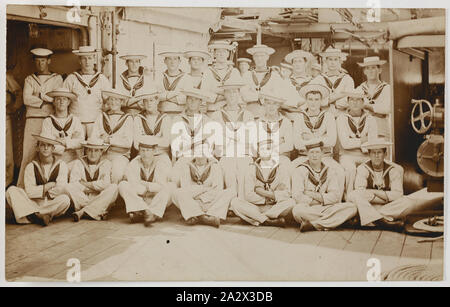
point(151, 143)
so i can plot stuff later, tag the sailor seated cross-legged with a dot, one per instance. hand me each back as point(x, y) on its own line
point(316, 123)
point(153, 122)
point(236, 151)
point(146, 191)
point(378, 185)
point(355, 127)
point(90, 186)
point(45, 182)
point(65, 127)
point(267, 190)
point(202, 197)
point(115, 128)
point(315, 189)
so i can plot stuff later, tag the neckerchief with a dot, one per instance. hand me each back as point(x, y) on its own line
point(192, 132)
point(264, 80)
point(200, 83)
point(271, 127)
point(107, 125)
point(171, 86)
point(333, 85)
point(317, 125)
point(150, 176)
point(386, 186)
point(270, 179)
point(87, 171)
point(39, 173)
point(228, 122)
point(357, 129)
point(38, 81)
point(298, 85)
point(318, 180)
point(139, 83)
point(217, 76)
point(157, 125)
point(62, 130)
point(375, 94)
point(196, 176)
point(92, 82)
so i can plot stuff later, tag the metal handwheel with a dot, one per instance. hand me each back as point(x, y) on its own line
point(423, 115)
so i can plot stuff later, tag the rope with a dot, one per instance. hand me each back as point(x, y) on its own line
point(415, 273)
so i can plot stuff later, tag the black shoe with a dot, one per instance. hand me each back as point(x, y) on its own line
point(77, 215)
point(397, 226)
point(210, 220)
point(306, 226)
point(352, 223)
point(279, 222)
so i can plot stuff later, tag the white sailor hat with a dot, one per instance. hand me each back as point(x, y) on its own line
point(46, 138)
point(85, 50)
point(148, 92)
point(132, 56)
point(169, 54)
point(62, 92)
point(356, 93)
point(297, 54)
point(333, 52)
point(41, 52)
point(268, 95)
point(94, 143)
point(314, 143)
point(245, 60)
point(372, 60)
point(220, 45)
point(376, 143)
point(114, 93)
point(194, 92)
point(197, 53)
point(324, 91)
point(232, 83)
point(260, 48)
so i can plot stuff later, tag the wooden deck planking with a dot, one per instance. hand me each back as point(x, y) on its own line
point(287, 235)
point(92, 242)
point(363, 241)
point(45, 256)
point(310, 238)
point(414, 252)
point(263, 231)
point(337, 239)
point(437, 251)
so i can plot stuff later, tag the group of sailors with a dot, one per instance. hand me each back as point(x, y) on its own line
point(319, 158)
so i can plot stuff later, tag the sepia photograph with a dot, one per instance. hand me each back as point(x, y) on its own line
point(149, 143)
